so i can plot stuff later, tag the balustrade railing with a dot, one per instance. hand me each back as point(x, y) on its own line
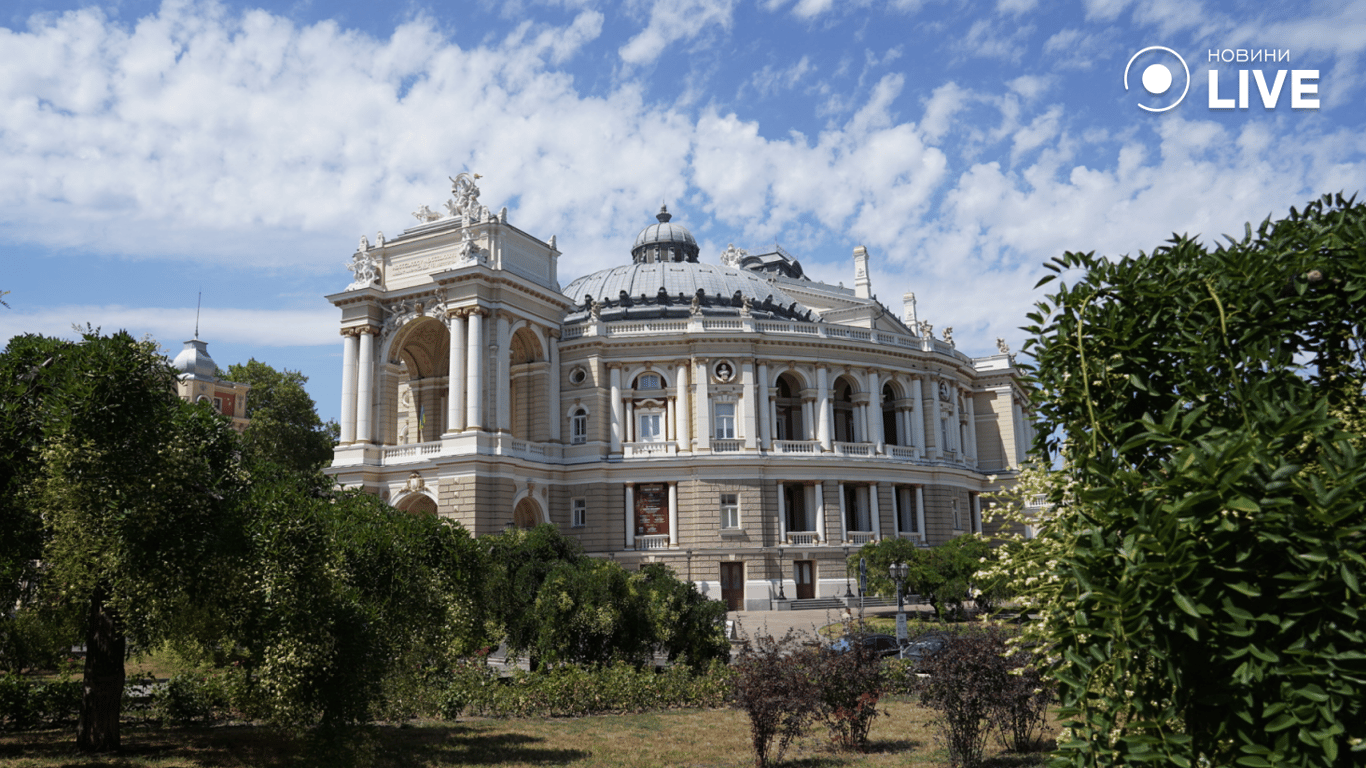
point(653, 541)
point(804, 538)
point(402, 454)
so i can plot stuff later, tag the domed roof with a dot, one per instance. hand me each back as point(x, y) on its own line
point(194, 361)
point(664, 241)
point(668, 289)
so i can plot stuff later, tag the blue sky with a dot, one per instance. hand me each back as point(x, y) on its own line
point(149, 150)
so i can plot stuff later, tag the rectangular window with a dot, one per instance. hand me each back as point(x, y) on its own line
point(730, 510)
point(650, 427)
point(578, 513)
point(725, 421)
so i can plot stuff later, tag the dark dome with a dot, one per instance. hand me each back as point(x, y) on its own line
point(664, 242)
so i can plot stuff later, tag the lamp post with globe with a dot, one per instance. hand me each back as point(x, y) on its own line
point(898, 572)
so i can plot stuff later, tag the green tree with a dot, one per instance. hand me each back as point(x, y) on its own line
point(128, 491)
point(685, 624)
point(285, 427)
point(342, 595)
point(519, 561)
point(1199, 573)
point(944, 575)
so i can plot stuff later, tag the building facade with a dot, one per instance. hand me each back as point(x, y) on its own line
point(736, 420)
point(197, 381)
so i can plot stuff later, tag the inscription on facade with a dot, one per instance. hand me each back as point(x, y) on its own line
point(424, 264)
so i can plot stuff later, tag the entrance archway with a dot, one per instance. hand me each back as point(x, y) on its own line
point(527, 514)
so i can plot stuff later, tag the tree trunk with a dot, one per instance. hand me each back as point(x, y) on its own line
point(97, 729)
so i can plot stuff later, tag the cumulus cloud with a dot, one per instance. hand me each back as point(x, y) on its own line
point(258, 143)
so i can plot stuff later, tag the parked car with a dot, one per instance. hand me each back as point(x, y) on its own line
point(885, 646)
point(925, 645)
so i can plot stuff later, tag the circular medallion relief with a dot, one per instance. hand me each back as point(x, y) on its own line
point(724, 371)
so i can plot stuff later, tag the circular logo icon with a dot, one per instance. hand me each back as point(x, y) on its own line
point(1158, 66)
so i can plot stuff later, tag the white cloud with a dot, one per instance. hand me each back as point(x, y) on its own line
point(770, 81)
point(672, 21)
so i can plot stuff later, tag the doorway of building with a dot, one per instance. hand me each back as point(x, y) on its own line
point(733, 585)
point(804, 572)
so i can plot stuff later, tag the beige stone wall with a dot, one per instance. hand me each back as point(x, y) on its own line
point(605, 523)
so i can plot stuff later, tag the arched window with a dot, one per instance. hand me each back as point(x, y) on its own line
point(578, 427)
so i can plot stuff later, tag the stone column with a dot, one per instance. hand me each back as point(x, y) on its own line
point(502, 379)
point(976, 513)
point(971, 447)
point(844, 519)
point(474, 369)
point(455, 374)
point(917, 418)
point(809, 427)
point(920, 512)
point(820, 511)
point(957, 434)
point(628, 421)
point(823, 404)
point(931, 422)
point(365, 396)
point(875, 519)
point(673, 514)
point(874, 413)
point(1017, 420)
point(751, 403)
point(763, 406)
point(552, 345)
point(670, 421)
point(703, 405)
point(614, 376)
point(782, 513)
point(684, 407)
point(630, 516)
point(350, 348)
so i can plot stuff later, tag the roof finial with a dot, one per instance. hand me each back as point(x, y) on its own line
point(663, 214)
point(198, 303)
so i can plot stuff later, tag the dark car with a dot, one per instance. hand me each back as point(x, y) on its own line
point(883, 645)
point(925, 645)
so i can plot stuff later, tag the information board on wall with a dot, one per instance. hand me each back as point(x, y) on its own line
point(652, 509)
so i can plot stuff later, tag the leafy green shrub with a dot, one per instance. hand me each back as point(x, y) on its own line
point(26, 704)
point(572, 690)
point(1199, 567)
point(194, 698)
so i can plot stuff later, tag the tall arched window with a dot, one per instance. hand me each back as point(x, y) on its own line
point(578, 427)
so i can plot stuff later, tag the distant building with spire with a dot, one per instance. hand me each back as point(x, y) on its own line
point(199, 382)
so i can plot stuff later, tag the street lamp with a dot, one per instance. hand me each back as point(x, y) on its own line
point(781, 596)
point(848, 593)
point(898, 572)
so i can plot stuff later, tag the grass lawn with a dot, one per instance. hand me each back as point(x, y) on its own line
point(701, 738)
